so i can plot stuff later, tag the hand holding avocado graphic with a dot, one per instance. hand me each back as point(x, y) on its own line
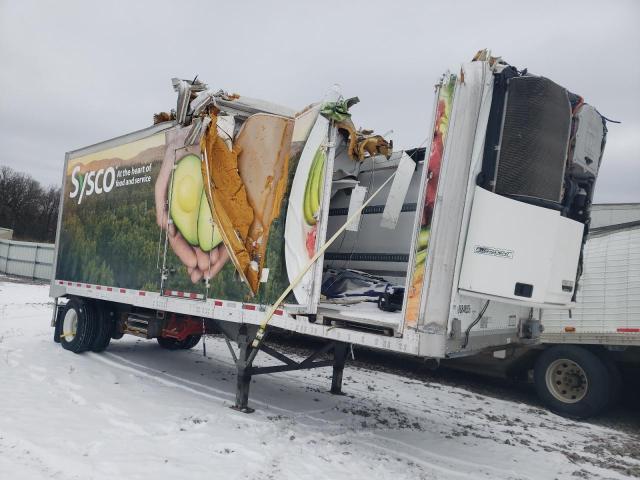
point(195, 241)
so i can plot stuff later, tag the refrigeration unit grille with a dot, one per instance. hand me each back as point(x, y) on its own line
point(534, 139)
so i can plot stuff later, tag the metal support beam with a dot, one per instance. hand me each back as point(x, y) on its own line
point(290, 368)
point(340, 352)
point(244, 334)
point(231, 350)
point(277, 355)
point(244, 372)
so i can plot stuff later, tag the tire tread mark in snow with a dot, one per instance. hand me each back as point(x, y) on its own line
point(418, 458)
point(156, 377)
point(178, 381)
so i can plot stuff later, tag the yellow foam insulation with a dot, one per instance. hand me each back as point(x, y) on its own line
point(248, 185)
point(363, 143)
point(227, 196)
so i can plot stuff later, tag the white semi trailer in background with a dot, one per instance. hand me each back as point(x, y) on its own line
point(594, 339)
point(610, 214)
point(577, 366)
point(228, 216)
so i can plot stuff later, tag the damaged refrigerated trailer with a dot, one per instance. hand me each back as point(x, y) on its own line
point(236, 216)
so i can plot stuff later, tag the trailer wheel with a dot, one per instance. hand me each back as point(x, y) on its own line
point(191, 341)
point(572, 381)
point(78, 326)
point(615, 380)
point(169, 343)
point(104, 328)
point(173, 344)
point(116, 334)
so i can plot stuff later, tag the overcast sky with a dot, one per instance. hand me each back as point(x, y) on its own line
point(76, 73)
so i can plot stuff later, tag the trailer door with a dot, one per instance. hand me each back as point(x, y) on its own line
point(306, 221)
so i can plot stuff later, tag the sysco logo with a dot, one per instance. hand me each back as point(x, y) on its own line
point(92, 182)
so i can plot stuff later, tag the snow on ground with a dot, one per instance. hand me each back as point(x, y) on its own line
point(137, 412)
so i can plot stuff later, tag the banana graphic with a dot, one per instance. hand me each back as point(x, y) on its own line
point(423, 238)
point(315, 191)
point(313, 188)
point(421, 256)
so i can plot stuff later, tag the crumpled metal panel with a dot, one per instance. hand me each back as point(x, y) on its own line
point(202, 101)
point(184, 92)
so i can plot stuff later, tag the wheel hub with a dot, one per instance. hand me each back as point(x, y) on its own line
point(70, 325)
point(566, 380)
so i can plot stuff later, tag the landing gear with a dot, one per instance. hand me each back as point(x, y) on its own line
point(245, 370)
point(340, 352)
point(243, 364)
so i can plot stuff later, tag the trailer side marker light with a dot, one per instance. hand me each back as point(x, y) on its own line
point(628, 330)
point(570, 329)
point(217, 303)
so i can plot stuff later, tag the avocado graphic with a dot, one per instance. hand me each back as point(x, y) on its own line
point(185, 197)
point(208, 234)
point(423, 238)
point(189, 207)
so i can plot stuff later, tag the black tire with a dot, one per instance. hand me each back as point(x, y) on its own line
point(615, 380)
point(104, 328)
point(84, 322)
point(173, 344)
point(169, 343)
point(116, 334)
point(572, 381)
point(191, 341)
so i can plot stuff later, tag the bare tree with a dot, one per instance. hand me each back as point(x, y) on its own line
point(27, 208)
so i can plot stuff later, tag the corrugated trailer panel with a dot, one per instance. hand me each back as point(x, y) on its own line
point(608, 299)
point(614, 213)
point(26, 259)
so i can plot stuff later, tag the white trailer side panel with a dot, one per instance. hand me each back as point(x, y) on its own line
point(605, 214)
point(608, 300)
